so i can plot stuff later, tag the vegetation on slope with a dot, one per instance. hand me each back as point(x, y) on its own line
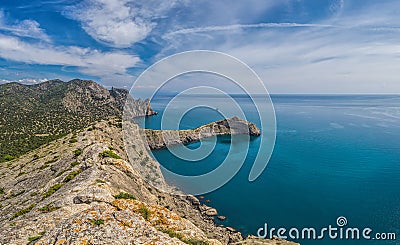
point(34, 115)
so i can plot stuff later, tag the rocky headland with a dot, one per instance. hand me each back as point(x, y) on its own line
point(158, 139)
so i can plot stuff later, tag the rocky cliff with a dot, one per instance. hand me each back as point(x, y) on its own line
point(80, 189)
point(158, 139)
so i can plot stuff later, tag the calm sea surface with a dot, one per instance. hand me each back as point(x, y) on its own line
point(334, 156)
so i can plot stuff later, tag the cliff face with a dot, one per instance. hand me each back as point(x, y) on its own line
point(158, 139)
point(80, 189)
point(37, 114)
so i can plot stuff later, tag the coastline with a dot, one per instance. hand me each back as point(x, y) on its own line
point(76, 195)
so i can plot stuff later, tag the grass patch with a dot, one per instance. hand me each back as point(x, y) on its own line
point(72, 175)
point(73, 140)
point(77, 152)
point(97, 221)
point(109, 153)
point(73, 164)
point(35, 238)
point(48, 208)
point(145, 212)
point(6, 158)
point(23, 211)
point(124, 195)
point(171, 233)
point(101, 182)
point(52, 189)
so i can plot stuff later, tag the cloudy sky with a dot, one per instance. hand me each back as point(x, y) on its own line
point(296, 46)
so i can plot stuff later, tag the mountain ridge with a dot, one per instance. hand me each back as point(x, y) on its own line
point(33, 115)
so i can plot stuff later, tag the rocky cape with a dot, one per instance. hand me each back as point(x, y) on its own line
point(158, 139)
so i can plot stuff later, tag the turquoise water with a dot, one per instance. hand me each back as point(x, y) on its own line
point(334, 156)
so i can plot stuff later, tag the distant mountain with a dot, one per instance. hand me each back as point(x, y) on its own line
point(33, 115)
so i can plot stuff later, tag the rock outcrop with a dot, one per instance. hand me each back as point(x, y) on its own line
point(157, 139)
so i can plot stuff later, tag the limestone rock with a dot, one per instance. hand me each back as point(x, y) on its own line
point(193, 200)
point(211, 212)
point(157, 139)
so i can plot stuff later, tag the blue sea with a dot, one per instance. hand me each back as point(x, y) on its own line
point(334, 156)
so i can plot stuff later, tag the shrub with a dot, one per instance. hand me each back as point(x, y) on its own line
point(77, 152)
point(97, 221)
point(1, 191)
point(7, 158)
point(73, 140)
point(52, 189)
point(124, 195)
point(73, 164)
point(72, 175)
point(145, 212)
point(109, 153)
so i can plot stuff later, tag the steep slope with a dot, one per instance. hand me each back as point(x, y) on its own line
point(80, 189)
point(37, 114)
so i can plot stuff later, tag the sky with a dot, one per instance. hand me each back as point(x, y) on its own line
point(295, 46)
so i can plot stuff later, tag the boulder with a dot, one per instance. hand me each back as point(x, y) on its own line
point(211, 212)
point(221, 217)
point(193, 200)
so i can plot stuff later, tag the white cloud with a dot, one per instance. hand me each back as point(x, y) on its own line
point(24, 28)
point(112, 65)
point(240, 27)
point(25, 80)
point(119, 23)
point(354, 51)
